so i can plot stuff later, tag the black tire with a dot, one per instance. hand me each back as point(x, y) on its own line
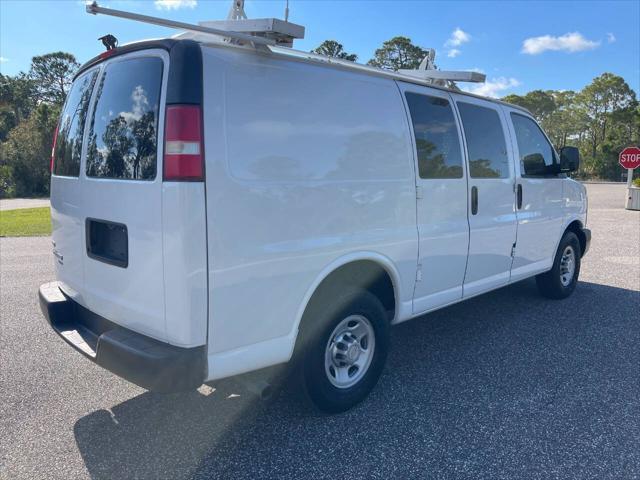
point(550, 284)
point(320, 326)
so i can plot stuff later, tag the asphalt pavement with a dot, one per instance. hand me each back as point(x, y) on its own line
point(506, 385)
point(15, 203)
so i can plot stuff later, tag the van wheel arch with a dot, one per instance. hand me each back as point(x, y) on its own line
point(368, 275)
point(576, 227)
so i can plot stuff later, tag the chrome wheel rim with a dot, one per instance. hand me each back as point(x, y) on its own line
point(349, 351)
point(567, 266)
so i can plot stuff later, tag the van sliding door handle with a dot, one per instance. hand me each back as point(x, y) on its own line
point(474, 200)
point(519, 195)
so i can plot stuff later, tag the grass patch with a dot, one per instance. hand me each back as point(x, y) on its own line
point(25, 222)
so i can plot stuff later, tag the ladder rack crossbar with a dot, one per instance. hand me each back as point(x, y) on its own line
point(423, 77)
point(94, 9)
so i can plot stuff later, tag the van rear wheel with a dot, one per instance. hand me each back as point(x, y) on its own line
point(347, 352)
point(561, 280)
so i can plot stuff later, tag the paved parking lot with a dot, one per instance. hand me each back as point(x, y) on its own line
point(507, 385)
point(14, 203)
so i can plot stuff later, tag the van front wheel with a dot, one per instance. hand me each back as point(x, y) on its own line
point(561, 280)
point(347, 352)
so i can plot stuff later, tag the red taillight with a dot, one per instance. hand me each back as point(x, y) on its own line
point(53, 149)
point(183, 152)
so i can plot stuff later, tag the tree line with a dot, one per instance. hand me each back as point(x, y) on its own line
point(601, 119)
point(30, 105)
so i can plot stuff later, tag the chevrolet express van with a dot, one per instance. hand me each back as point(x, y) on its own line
point(219, 209)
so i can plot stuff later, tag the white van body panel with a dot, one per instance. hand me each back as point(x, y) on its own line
point(574, 202)
point(184, 238)
point(279, 350)
point(304, 165)
point(66, 234)
point(574, 205)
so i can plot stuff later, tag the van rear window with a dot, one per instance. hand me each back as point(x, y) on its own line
point(68, 148)
point(123, 136)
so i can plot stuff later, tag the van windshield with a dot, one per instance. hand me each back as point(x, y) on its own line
point(123, 135)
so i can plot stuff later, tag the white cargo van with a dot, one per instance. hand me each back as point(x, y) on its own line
point(218, 209)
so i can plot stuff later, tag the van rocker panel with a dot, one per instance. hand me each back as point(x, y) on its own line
point(147, 362)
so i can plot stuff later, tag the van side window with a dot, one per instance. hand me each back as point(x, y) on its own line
point(536, 153)
point(486, 146)
point(436, 136)
point(124, 129)
point(68, 150)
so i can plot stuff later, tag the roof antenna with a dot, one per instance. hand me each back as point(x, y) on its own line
point(286, 11)
point(109, 41)
point(237, 11)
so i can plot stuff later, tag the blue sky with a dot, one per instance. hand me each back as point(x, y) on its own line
point(521, 46)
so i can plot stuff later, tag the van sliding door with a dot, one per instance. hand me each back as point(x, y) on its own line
point(441, 200)
point(492, 219)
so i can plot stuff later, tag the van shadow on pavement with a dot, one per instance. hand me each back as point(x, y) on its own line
point(507, 384)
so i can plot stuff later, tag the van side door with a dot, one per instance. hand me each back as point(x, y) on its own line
point(441, 187)
point(539, 207)
point(492, 219)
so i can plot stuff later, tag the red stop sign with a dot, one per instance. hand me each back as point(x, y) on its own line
point(630, 157)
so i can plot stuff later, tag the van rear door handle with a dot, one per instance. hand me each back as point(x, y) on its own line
point(519, 195)
point(474, 200)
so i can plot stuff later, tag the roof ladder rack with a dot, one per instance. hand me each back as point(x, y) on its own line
point(273, 35)
point(94, 9)
point(427, 72)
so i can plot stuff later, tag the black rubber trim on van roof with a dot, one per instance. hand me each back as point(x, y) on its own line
point(185, 67)
point(165, 44)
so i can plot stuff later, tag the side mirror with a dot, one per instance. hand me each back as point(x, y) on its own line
point(569, 159)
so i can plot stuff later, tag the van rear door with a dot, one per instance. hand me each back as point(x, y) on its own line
point(66, 188)
point(106, 191)
point(122, 194)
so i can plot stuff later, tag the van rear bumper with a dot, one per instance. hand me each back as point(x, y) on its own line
point(142, 360)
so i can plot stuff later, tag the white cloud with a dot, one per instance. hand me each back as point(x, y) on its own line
point(174, 4)
point(611, 38)
point(457, 38)
point(3, 59)
point(139, 106)
point(569, 42)
point(496, 87)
